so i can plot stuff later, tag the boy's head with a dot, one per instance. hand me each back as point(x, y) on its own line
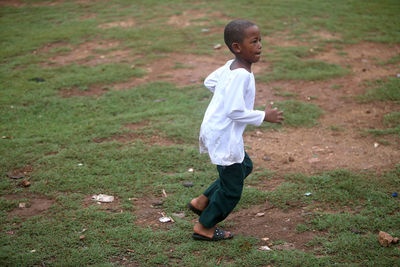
point(235, 32)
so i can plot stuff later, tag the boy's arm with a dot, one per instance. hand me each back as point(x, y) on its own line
point(273, 114)
point(235, 103)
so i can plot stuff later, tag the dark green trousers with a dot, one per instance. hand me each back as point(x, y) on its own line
point(224, 194)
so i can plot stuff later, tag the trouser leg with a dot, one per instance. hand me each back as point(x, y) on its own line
point(225, 192)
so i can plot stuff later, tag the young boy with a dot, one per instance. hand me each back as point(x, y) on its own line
point(225, 120)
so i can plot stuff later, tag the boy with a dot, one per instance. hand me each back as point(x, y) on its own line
point(225, 120)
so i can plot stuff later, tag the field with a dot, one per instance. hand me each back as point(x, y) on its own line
point(106, 97)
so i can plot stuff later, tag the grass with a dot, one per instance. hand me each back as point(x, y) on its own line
point(56, 135)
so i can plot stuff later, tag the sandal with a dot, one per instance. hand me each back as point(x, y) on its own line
point(219, 234)
point(190, 206)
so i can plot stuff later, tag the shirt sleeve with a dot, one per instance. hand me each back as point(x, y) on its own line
point(235, 105)
point(211, 81)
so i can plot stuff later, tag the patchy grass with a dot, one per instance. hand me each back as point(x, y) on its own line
point(56, 135)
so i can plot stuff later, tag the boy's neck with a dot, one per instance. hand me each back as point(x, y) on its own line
point(240, 63)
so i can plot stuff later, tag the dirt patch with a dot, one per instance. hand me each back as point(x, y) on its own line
point(89, 53)
point(30, 205)
point(148, 211)
point(20, 172)
point(154, 139)
point(195, 17)
point(338, 141)
point(123, 24)
point(271, 224)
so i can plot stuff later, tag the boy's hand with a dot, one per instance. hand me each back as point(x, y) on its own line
point(273, 114)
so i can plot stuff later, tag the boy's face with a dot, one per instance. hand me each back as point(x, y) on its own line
point(250, 47)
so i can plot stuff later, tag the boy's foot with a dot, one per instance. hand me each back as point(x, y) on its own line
point(198, 204)
point(218, 235)
point(210, 234)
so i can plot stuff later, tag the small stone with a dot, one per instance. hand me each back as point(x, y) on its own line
point(15, 176)
point(395, 240)
point(260, 214)
point(385, 239)
point(187, 184)
point(217, 46)
point(25, 183)
point(264, 248)
point(157, 203)
point(133, 66)
point(81, 237)
point(22, 205)
point(265, 239)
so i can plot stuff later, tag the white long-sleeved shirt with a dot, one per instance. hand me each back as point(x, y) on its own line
point(227, 115)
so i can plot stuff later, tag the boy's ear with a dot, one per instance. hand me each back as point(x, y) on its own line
point(236, 48)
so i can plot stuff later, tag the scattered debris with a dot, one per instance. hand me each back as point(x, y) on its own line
point(386, 239)
point(157, 203)
point(164, 193)
point(266, 159)
point(33, 250)
point(205, 30)
point(130, 250)
point(187, 184)
point(164, 219)
point(217, 46)
point(10, 232)
point(264, 248)
point(265, 239)
point(80, 164)
point(25, 183)
point(7, 137)
point(398, 75)
point(394, 194)
point(81, 237)
point(308, 194)
point(159, 100)
point(22, 205)
point(190, 170)
point(103, 198)
point(260, 214)
point(15, 176)
point(376, 145)
point(291, 159)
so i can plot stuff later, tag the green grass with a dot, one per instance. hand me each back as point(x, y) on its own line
point(383, 90)
point(56, 135)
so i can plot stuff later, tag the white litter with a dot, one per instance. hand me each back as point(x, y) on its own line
point(164, 219)
point(264, 248)
point(103, 198)
point(308, 194)
point(190, 170)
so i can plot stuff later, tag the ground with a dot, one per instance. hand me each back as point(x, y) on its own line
point(337, 142)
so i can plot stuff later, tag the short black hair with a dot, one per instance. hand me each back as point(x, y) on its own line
point(234, 32)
